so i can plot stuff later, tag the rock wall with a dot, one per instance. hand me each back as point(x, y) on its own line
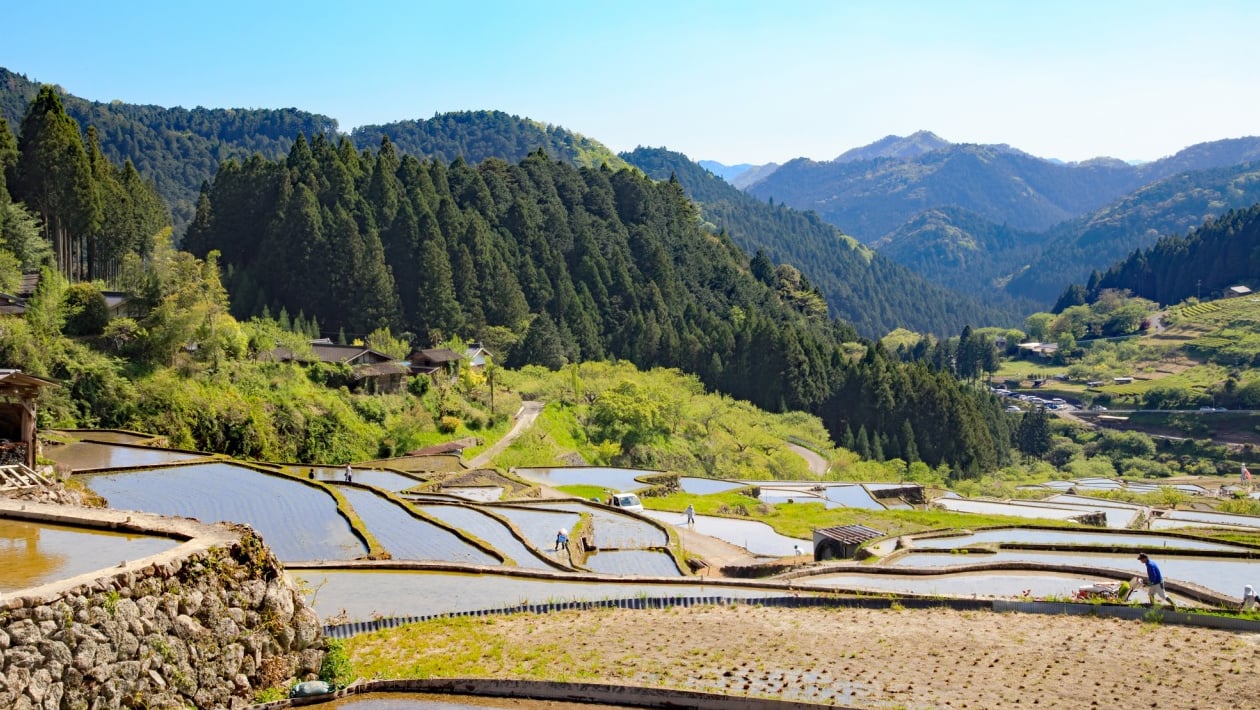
point(204, 628)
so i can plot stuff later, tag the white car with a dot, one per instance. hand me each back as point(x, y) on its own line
point(626, 501)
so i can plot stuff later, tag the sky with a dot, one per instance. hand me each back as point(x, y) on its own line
point(730, 81)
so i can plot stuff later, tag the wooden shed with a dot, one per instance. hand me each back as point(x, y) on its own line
point(841, 543)
point(17, 416)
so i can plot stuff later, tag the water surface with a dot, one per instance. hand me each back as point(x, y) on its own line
point(297, 521)
point(364, 594)
point(648, 563)
point(85, 456)
point(707, 486)
point(1071, 537)
point(615, 479)
point(754, 536)
point(407, 537)
point(485, 526)
point(32, 554)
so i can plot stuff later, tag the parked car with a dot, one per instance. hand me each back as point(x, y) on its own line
point(626, 501)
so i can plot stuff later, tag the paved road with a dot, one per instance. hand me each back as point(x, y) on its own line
point(817, 464)
point(524, 420)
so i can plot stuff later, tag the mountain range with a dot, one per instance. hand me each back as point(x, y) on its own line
point(997, 218)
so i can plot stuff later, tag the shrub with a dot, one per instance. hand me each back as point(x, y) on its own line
point(448, 424)
point(335, 669)
point(86, 310)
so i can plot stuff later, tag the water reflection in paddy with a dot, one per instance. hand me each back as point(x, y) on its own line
point(107, 436)
point(852, 496)
point(756, 537)
point(297, 521)
point(707, 486)
point(32, 554)
point(486, 527)
point(537, 525)
point(85, 456)
point(648, 563)
point(384, 480)
point(963, 584)
point(617, 479)
point(407, 537)
point(1227, 576)
point(1246, 521)
point(1070, 537)
point(365, 594)
point(615, 530)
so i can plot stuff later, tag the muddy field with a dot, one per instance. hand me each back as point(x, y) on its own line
point(860, 658)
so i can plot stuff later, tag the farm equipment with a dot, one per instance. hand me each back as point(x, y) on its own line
point(1110, 591)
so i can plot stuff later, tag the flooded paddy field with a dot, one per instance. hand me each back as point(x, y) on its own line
point(538, 525)
point(365, 594)
point(707, 486)
point(485, 526)
point(87, 456)
point(1222, 575)
point(407, 537)
point(754, 536)
point(614, 479)
point(647, 563)
point(615, 530)
point(1011, 584)
point(1071, 537)
point(384, 480)
point(297, 521)
point(34, 553)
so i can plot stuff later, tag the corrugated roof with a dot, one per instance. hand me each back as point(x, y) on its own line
point(849, 534)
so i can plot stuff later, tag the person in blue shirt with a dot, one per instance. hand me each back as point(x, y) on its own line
point(1155, 581)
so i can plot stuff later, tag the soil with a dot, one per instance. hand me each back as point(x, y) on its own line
point(861, 658)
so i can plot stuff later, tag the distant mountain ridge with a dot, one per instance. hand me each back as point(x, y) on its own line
point(911, 146)
point(861, 286)
point(870, 198)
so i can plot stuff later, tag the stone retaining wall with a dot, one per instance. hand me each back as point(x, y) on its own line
point(203, 625)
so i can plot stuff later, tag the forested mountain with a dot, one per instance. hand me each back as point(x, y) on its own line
point(1171, 206)
point(961, 250)
point(554, 263)
point(871, 198)
point(1223, 252)
point(176, 148)
point(911, 146)
point(860, 285)
point(477, 135)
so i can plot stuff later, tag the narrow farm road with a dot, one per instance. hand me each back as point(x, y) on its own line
point(524, 420)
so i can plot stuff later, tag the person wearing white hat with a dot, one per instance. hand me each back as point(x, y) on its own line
point(562, 539)
point(1249, 598)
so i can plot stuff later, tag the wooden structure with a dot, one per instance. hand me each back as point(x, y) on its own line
point(18, 392)
point(370, 370)
point(841, 543)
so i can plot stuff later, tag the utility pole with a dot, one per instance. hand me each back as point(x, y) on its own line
point(1197, 284)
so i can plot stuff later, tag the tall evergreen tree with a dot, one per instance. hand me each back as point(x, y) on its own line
point(54, 178)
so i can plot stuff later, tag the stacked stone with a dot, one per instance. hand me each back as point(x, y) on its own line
point(206, 631)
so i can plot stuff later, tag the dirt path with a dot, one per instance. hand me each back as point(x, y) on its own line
point(524, 420)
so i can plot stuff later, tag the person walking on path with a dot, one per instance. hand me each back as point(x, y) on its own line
point(691, 514)
point(349, 474)
point(562, 539)
point(1155, 581)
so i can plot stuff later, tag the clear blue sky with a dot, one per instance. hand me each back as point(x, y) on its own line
point(728, 81)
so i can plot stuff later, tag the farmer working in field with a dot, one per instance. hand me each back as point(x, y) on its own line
point(1155, 581)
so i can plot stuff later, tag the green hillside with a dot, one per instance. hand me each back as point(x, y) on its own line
point(176, 148)
point(477, 135)
point(1170, 206)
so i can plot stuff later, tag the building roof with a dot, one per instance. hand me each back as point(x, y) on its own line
point(1239, 290)
point(25, 385)
point(378, 369)
point(11, 305)
point(434, 356)
point(328, 352)
point(849, 534)
point(449, 447)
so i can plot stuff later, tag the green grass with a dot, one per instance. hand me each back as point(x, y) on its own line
point(801, 519)
point(585, 492)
